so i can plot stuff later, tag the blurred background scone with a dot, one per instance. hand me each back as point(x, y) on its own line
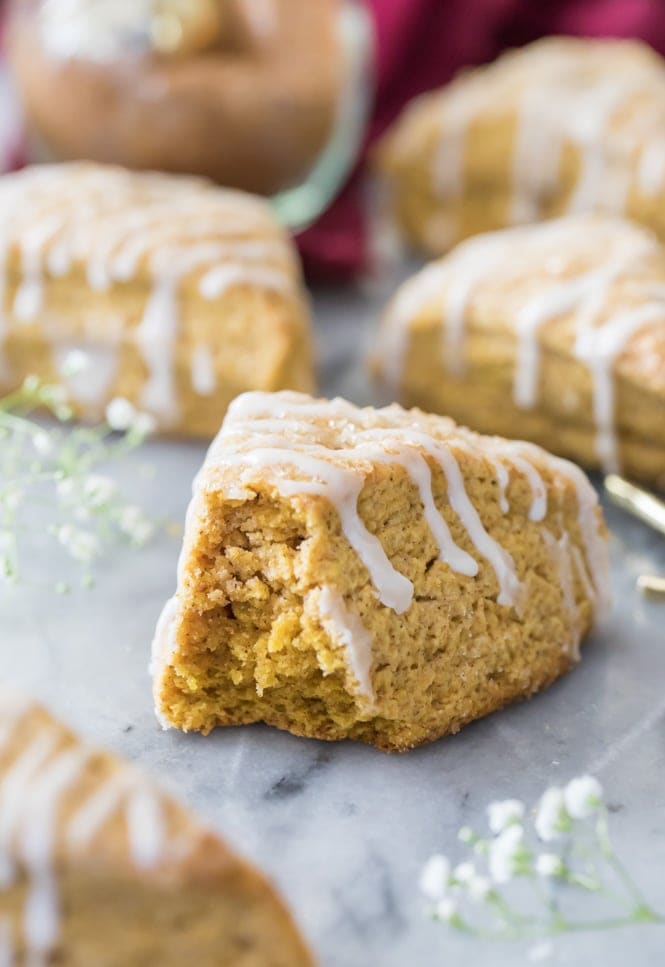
point(564, 125)
point(245, 92)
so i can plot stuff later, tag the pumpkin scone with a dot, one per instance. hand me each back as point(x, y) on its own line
point(380, 575)
point(101, 868)
point(553, 333)
point(181, 294)
point(562, 126)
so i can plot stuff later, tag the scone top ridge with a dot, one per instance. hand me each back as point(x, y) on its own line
point(301, 446)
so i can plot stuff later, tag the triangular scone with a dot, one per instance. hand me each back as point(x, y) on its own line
point(98, 867)
point(562, 125)
point(380, 575)
point(553, 333)
point(181, 294)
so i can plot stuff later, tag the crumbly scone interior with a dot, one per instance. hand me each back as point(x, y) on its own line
point(249, 644)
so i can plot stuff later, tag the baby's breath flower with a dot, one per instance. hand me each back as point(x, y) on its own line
point(549, 865)
point(505, 854)
point(446, 909)
point(75, 362)
point(504, 813)
point(65, 488)
point(120, 414)
point(82, 545)
point(583, 796)
point(540, 952)
point(466, 835)
point(435, 877)
point(135, 525)
point(464, 872)
point(479, 888)
point(144, 424)
point(552, 820)
point(98, 490)
point(42, 443)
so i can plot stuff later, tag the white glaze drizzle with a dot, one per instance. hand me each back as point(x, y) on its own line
point(35, 849)
point(343, 625)
point(204, 380)
point(146, 829)
point(111, 221)
point(276, 432)
point(560, 552)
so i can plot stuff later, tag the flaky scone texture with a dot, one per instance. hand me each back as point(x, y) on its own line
point(553, 333)
point(563, 125)
point(180, 294)
point(380, 575)
point(100, 867)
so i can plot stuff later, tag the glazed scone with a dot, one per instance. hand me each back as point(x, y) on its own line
point(380, 575)
point(553, 333)
point(562, 126)
point(182, 294)
point(101, 868)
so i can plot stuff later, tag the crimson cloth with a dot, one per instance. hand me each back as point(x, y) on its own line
point(420, 45)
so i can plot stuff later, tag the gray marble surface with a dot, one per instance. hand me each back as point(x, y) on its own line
point(342, 828)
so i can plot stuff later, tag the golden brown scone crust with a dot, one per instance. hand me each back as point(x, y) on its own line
point(563, 125)
point(181, 294)
point(466, 579)
point(248, 101)
point(553, 333)
point(104, 869)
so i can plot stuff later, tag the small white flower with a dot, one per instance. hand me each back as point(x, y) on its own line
point(435, 877)
point(10, 498)
point(551, 817)
point(504, 813)
point(82, 545)
point(464, 872)
point(135, 525)
point(145, 424)
point(549, 864)
point(465, 835)
point(98, 490)
point(120, 414)
point(75, 362)
point(504, 852)
point(31, 383)
point(583, 796)
point(446, 909)
point(42, 443)
point(479, 888)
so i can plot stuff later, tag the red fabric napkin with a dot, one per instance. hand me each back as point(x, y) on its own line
point(421, 44)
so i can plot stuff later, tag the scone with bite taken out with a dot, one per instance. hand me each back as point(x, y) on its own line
point(380, 575)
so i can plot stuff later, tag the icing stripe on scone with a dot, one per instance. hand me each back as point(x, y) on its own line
point(34, 788)
point(302, 446)
point(586, 266)
point(115, 226)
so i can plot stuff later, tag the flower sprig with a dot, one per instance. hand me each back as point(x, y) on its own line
point(50, 480)
point(568, 855)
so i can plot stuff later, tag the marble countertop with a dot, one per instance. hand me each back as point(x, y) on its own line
point(342, 828)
